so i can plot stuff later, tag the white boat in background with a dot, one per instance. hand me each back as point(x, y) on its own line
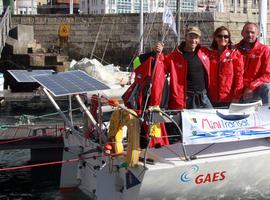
point(108, 74)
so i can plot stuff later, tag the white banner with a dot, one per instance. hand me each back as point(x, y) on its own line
point(169, 19)
point(207, 126)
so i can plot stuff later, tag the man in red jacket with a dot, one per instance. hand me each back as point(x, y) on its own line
point(257, 65)
point(188, 66)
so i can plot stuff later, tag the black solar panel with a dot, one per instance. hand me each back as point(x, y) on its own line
point(72, 82)
point(27, 76)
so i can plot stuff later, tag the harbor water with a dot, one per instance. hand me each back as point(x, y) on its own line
point(39, 183)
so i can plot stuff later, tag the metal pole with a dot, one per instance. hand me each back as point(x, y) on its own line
point(178, 6)
point(263, 20)
point(71, 7)
point(141, 27)
point(70, 125)
point(70, 109)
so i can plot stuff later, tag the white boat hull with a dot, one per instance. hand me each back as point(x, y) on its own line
point(238, 173)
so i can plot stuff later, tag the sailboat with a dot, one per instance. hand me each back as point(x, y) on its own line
point(217, 153)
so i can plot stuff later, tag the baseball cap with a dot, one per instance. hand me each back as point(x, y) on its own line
point(195, 30)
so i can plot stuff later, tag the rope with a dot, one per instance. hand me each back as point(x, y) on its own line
point(39, 165)
point(55, 162)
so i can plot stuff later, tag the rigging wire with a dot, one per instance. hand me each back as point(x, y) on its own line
point(99, 30)
point(106, 45)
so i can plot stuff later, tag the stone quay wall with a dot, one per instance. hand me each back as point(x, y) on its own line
point(116, 37)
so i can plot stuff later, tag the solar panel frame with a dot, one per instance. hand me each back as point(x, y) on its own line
point(69, 83)
point(26, 76)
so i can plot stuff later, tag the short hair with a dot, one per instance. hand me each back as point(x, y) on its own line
point(214, 44)
point(250, 23)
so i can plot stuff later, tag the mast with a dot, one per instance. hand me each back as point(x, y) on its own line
point(178, 9)
point(141, 27)
point(263, 20)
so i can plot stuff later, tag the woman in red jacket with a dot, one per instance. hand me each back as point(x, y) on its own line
point(226, 69)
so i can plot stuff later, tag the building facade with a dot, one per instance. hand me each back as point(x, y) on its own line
point(231, 6)
point(133, 6)
point(28, 7)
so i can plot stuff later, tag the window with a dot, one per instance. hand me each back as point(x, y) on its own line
point(232, 3)
point(161, 3)
point(254, 3)
point(245, 6)
point(124, 6)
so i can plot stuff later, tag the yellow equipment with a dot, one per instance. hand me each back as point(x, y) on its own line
point(63, 32)
point(119, 119)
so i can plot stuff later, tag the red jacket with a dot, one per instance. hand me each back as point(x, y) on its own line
point(257, 65)
point(135, 96)
point(176, 65)
point(226, 75)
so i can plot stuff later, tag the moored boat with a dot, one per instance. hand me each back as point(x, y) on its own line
point(228, 161)
point(215, 152)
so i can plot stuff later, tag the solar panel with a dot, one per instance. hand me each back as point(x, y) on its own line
point(72, 82)
point(27, 76)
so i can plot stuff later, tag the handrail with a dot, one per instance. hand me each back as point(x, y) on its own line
point(5, 25)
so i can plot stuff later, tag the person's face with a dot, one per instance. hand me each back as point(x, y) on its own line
point(250, 33)
point(192, 41)
point(222, 38)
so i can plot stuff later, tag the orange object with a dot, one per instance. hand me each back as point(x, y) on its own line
point(113, 102)
point(108, 147)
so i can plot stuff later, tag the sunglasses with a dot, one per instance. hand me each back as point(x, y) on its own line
point(223, 36)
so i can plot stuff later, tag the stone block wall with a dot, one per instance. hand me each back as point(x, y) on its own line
point(118, 35)
point(235, 23)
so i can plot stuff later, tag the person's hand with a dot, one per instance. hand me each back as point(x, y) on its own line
point(248, 94)
point(158, 47)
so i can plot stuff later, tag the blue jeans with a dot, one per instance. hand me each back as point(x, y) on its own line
point(263, 92)
point(198, 100)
